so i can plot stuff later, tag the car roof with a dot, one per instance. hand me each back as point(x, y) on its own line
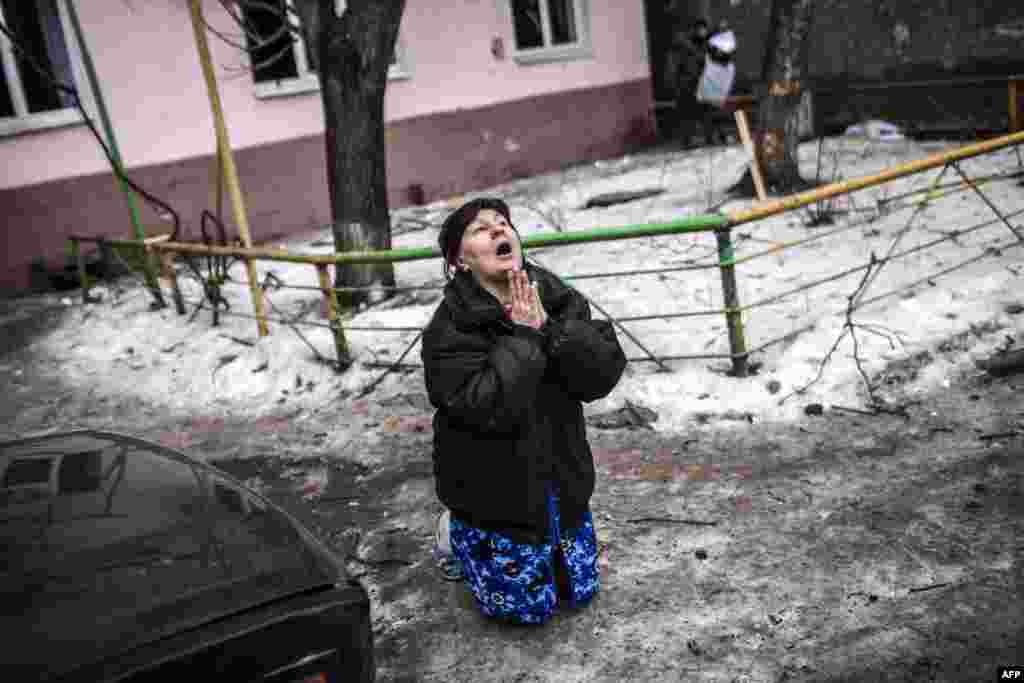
point(109, 541)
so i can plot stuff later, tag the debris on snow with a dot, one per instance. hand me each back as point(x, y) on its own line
point(704, 417)
point(313, 483)
point(621, 197)
point(629, 416)
point(1004, 363)
point(875, 130)
point(385, 546)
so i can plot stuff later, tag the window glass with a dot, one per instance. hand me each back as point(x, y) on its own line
point(311, 60)
point(24, 471)
point(527, 20)
point(563, 21)
point(270, 46)
point(6, 104)
point(44, 61)
point(81, 472)
point(282, 61)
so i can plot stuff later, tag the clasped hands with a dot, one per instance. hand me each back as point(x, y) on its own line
point(526, 307)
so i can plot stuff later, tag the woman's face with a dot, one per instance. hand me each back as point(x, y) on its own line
point(490, 248)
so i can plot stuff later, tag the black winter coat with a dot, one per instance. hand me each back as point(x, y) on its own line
point(509, 416)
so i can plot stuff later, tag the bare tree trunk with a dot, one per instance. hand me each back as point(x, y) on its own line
point(353, 54)
point(785, 67)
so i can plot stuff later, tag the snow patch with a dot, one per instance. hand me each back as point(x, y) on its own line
point(119, 346)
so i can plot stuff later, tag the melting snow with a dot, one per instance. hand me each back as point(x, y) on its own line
point(119, 346)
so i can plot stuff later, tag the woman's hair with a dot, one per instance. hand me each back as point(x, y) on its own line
point(455, 225)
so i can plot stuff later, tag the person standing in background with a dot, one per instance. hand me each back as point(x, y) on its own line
point(716, 80)
point(690, 49)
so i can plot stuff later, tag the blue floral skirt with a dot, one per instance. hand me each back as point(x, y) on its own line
point(516, 581)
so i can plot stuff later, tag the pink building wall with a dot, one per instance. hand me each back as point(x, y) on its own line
point(146, 60)
point(460, 120)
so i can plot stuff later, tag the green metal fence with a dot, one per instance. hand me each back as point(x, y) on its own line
point(729, 254)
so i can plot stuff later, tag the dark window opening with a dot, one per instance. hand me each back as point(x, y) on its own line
point(271, 49)
point(80, 472)
point(28, 471)
point(41, 56)
point(527, 20)
point(6, 105)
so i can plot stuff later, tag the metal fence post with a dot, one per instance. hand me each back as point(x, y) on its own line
point(331, 299)
point(83, 277)
point(731, 299)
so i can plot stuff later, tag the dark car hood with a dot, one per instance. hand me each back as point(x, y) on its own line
point(108, 542)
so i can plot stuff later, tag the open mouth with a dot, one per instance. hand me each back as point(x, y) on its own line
point(504, 249)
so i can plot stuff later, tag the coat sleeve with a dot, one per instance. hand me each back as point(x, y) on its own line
point(485, 388)
point(584, 353)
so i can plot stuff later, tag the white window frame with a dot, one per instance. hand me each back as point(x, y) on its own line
point(581, 49)
point(307, 81)
point(23, 121)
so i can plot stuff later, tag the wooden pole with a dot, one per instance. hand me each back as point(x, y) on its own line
point(748, 143)
point(228, 160)
point(331, 297)
point(731, 299)
point(167, 266)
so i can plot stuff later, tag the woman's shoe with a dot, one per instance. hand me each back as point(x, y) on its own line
point(447, 563)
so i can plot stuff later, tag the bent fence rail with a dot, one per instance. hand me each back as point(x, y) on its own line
point(725, 260)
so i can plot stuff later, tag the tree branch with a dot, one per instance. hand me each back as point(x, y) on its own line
point(850, 327)
point(257, 42)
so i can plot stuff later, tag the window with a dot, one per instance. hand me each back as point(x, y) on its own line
point(281, 62)
point(549, 30)
point(28, 98)
point(80, 472)
point(24, 471)
point(26, 480)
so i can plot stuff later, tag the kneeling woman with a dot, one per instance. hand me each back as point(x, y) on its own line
point(509, 355)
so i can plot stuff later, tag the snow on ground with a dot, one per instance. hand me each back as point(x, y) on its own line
point(119, 346)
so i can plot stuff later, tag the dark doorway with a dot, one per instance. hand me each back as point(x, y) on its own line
point(666, 21)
